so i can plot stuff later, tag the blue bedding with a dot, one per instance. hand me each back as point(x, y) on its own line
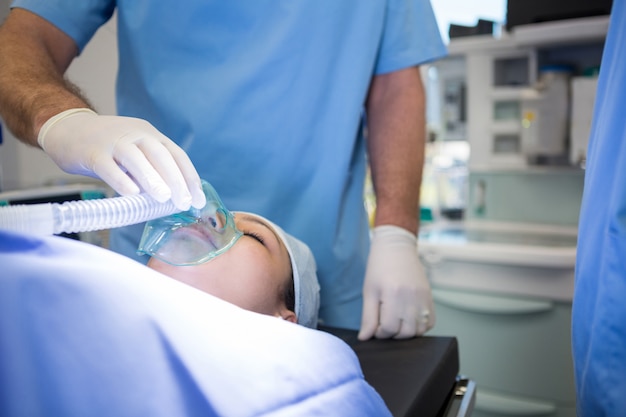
point(86, 332)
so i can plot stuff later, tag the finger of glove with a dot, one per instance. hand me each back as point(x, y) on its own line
point(109, 171)
point(389, 321)
point(410, 322)
point(164, 162)
point(408, 328)
point(388, 330)
point(401, 313)
point(397, 309)
point(424, 303)
point(138, 167)
point(423, 327)
point(425, 312)
point(198, 199)
point(432, 317)
point(369, 317)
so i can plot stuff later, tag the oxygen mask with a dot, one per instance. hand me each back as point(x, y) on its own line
point(191, 237)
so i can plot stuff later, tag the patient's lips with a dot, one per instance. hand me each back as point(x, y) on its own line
point(197, 233)
point(192, 241)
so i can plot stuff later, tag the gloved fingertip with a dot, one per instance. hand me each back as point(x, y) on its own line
point(368, 328)
point(184, 203)
point(364, 335)
point(198, 199)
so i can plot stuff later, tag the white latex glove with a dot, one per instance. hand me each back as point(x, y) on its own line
point(397, 299)
point(127, 153)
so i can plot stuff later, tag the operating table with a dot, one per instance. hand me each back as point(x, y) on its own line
point(415, 377)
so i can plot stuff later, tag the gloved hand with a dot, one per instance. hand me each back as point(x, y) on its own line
point(397, 299)
point(127, 153)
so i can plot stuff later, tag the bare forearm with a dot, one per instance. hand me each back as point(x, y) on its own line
point(396, 134)
point(32, 86)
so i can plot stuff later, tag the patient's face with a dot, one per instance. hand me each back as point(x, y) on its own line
point(252, 274)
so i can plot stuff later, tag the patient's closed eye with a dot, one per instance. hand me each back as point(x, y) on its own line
point(255, 236)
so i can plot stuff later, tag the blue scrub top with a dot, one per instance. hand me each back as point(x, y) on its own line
point(267, 99)
point(599, 310)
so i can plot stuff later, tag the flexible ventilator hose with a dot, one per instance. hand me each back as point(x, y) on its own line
point(83, 215)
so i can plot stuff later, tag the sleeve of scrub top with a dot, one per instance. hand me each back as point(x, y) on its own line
point(78, 19)
point(411, 36)
point(87, 332)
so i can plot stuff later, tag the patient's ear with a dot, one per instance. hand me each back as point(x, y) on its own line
point(288, 315)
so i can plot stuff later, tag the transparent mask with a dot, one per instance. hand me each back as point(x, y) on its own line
point(191, 237)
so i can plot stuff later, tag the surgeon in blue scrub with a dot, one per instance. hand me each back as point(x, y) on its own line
point(599, 309)
point(268, 101)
